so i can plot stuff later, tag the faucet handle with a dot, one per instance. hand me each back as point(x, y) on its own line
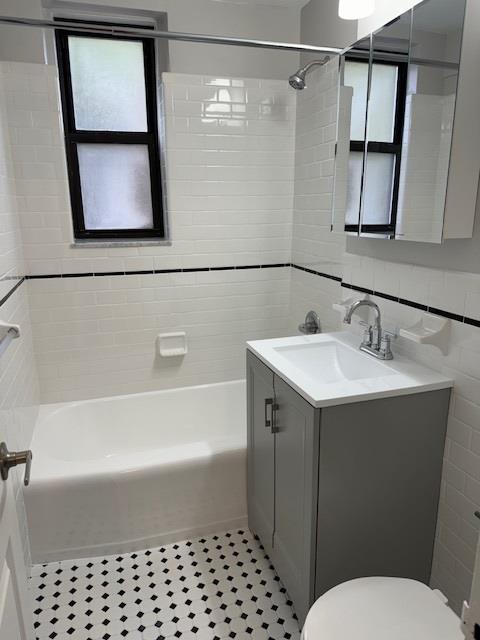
point(393, 335)
point(385, 349)
point(367, 335)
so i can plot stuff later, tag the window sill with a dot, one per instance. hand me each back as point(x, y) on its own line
point(109, 244)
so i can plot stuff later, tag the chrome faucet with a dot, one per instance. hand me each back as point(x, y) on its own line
point(374, 342)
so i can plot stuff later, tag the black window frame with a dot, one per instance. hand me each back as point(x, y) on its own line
point(74, 136)
point(392, 148)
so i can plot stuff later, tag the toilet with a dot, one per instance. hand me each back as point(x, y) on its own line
point(382, 609)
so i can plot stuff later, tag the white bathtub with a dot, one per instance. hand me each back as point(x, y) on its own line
point(129, 472)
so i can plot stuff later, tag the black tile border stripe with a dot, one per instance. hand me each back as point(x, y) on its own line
point(416, 305)
point(12, 290)
point(143, 272)
point(280, 265)
point(328, 276)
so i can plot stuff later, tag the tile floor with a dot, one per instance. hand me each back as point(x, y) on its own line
point(218, 587)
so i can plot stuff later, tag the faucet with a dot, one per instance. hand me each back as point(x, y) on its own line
point(374, 342)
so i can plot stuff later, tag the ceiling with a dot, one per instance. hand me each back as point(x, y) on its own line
point(293, 4)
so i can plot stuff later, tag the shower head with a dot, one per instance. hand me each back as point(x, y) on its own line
point(297, 80)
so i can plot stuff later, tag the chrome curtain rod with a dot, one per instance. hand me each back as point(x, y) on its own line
point(119, 31)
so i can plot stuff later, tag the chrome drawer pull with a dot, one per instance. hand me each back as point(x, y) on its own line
point(270, 408)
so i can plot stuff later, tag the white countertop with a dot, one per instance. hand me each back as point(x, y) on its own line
point(328, 379)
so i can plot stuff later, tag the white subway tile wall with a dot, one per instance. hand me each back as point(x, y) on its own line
point(313, 244)
point(19, 396)
point(230, 169)
point(96, 336)
point(11, 255)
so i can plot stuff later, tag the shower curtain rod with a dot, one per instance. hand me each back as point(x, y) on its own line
point(116, 30)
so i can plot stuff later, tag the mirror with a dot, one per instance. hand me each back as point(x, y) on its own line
point(394, 129)
point(429, 114)
point(351, 135)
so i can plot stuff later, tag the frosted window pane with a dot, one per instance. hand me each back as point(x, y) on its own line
point(381, 107)
point(108, 84)
point(115, 180)
point(378, 186)
point(354, 184)
point(356, 76)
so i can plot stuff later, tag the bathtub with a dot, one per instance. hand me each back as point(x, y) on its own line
point(130, 472)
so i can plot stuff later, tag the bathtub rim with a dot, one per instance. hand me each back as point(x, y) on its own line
point(123, 464)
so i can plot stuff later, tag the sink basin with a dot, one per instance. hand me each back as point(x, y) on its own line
point(329, 369)
point(331, 361)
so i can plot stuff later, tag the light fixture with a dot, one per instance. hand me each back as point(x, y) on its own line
point(355, 9)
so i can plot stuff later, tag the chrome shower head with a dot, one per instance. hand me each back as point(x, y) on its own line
point(297, 80)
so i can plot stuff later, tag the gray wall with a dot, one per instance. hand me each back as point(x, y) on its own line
point(24, 44)
point(320, 24)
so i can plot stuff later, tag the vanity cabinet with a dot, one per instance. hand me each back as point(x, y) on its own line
point(261, 454)
point(343, 491)
point(296, 478)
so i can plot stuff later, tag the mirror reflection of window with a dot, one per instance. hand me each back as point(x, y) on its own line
point(351, 128)
point(387, 85)
point(385, 124)
point(397, 105)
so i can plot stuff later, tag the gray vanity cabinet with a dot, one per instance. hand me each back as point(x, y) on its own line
point(261, 453)
point(283, 478)
point(345, 491)
point(296, 481)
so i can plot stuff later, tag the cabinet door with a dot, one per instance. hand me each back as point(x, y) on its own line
point(260, 451)
point(379, 485)
point(296, 487)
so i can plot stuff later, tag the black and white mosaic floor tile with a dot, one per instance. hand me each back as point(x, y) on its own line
point(220, 587)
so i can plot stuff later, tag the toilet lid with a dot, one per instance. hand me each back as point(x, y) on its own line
point(380, 609)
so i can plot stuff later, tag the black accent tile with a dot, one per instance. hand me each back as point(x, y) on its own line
point(445, 314)
point(222, 268)
point(77, 275)
point(472, 322)
point(167, 271)
point(354, 287)
point(414, 305)
point(386, 296)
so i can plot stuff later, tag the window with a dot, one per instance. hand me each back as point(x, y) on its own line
point(108, 87)
point(381, 170)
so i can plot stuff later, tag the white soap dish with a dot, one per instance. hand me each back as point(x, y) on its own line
point(342, 307)
point(429, 329)
point(170, 345)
